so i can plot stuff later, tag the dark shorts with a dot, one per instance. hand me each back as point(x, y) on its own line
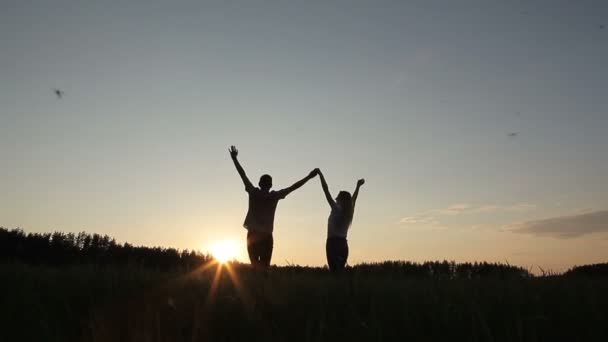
point(336, 249)
point(259, 247)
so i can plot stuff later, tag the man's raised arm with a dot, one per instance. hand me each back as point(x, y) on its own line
point(284, 192)
point(233, 154)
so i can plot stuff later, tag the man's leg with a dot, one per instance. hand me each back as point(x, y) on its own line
point(252, 248)
point(266, 246)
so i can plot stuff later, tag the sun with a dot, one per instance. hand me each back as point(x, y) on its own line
point(224, 251)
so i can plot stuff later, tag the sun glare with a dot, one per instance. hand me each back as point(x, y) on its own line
point(224, 251)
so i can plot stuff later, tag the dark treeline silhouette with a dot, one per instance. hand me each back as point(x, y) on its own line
point(62, 249)
point(599, 270)
point(435, 269)
point(447, 269)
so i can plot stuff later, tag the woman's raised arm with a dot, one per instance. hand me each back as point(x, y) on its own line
point(330, 199)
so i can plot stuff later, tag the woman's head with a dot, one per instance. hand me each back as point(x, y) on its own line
point(345, 202)
point(344, 199)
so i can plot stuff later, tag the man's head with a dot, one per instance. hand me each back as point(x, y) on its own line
point(265, 182)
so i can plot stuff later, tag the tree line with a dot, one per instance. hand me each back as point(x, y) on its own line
point(432, 269)
point(595, 270)
point(62, 249)
point(448, 269)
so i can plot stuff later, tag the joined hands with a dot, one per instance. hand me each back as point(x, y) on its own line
point(314, 172)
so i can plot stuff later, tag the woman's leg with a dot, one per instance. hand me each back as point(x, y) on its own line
point(336, 250)
point(344, 253)
point(329, 254)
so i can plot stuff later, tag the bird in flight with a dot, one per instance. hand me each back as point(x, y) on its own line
point(58, 92)
point(513, 134)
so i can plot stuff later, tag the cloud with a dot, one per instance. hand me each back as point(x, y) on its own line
point(464, 208)
point(419, 219)
point(564, 226)
point(431, 217)
point(454, 209)
point(426, 218)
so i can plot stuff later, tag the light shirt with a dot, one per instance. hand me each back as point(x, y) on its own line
point(338, 224)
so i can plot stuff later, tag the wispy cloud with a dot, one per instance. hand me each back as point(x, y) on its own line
point(419, 219)
point(432, 217)
point(564, 226)
point(464, 208)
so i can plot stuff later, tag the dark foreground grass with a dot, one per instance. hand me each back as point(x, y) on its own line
point(83, 303)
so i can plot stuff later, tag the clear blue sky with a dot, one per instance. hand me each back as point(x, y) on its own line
point(418, 97)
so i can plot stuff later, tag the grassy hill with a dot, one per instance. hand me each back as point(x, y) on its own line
point(91, 303)
point(61, 287)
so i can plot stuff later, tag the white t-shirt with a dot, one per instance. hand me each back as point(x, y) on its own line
point(338, 224)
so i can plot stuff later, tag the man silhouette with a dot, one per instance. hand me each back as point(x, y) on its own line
point(259, 221)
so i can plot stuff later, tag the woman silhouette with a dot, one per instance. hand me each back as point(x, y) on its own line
point(340, 218)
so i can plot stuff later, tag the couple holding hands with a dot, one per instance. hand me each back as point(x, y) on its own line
point(259, 221)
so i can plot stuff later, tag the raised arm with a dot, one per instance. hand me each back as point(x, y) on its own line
point(330, 199)
point(233, 154)
point(284, 192)
point(356, 193)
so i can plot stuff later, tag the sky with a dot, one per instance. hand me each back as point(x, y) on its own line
point(479, 126)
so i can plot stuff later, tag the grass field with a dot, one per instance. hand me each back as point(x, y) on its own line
point(89, 303)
